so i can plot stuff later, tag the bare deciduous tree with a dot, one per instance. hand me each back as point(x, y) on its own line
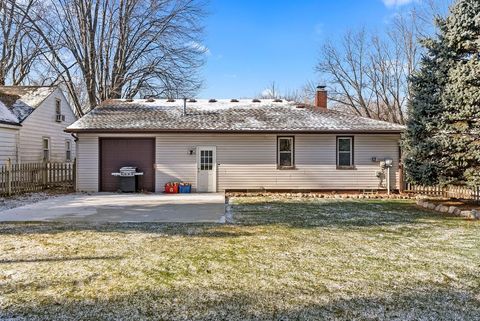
point(122, 48)
point(347, 67)
point(19, 49)
point(305, 94)
point(271, 92)
point(368, 73)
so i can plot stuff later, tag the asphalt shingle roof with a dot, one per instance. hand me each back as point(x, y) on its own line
point(222, 116)
point(18, 102)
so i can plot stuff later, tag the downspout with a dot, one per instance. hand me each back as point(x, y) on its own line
point(75, 171)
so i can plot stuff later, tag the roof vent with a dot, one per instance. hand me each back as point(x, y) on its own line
point(255, 100)
point(300, 106)
point(212, 101)
point(278, 101)
point(192, 100)
point(170, 100)
point(234, 101)
point(129, 100)
point(150, 100)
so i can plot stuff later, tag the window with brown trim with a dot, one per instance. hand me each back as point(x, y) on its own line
point(285, 152)
point(345, 152)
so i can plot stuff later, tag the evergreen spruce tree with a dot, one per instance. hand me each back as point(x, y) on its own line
point(422, 145)
point(460, 127)
point(442, 141)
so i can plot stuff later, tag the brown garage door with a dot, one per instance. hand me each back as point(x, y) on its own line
point(119, 152)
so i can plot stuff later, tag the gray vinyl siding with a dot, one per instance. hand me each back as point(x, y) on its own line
point(8, 144)
point(87, 163)
point(41, 123)
point(250, 161)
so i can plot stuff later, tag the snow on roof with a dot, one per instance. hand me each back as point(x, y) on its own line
point(6, 115)
point(206, 104)
point(22, 100)
point(223, 116)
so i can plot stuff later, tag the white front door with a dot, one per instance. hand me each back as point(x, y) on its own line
point(207, 169)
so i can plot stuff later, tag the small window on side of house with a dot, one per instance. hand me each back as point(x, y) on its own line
point(345, 152)
point(58, 107)
point(46, 148)
point(285, 152)
point(68, 150)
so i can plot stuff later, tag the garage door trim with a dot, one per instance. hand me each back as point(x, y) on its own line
point(101, 139)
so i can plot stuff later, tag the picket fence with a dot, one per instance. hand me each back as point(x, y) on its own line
point(35, 177)
point(450, 191)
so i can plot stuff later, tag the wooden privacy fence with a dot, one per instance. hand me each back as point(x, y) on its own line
point(34, 177)
point(450, 191)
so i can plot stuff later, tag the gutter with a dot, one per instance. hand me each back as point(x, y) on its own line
point(213, 131)
point(10, 123)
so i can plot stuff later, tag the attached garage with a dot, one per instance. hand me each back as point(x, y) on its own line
point(119, 152)
point(224, 145)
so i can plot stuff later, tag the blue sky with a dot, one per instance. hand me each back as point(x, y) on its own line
point(252, 43)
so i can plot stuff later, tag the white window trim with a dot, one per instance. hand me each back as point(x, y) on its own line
point(46, 149)
point(68, 149)
point(350, 138)
point(59, 103)
point(292, 152)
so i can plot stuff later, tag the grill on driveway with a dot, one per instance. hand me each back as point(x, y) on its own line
point(128, 179)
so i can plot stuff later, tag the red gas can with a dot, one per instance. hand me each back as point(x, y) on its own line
point(171, 188)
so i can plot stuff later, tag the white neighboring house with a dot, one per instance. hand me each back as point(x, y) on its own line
point(32, 124)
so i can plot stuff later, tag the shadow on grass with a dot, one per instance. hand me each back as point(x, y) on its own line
point(427, 303)
point(61, 259)
point(162, 229)
point(290, 213)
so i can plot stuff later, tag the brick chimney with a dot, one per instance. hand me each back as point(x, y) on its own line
point(321, 97)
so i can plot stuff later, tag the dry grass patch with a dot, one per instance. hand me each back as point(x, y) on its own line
point(284, 259)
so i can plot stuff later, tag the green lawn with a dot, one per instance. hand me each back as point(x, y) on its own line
point(283, 259)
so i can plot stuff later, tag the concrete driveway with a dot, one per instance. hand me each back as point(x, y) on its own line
point(103, 207)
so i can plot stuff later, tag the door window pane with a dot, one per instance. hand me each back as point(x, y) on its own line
point(206, 160)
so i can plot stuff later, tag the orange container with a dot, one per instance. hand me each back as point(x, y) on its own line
point(171, 188)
